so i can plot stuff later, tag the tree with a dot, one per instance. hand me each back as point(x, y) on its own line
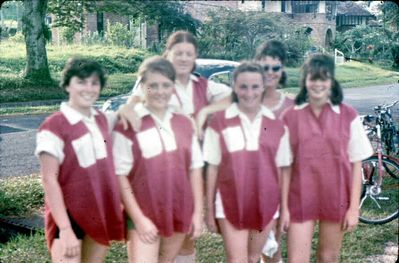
point(390, 14)
point(70, 14)
point(33, 28)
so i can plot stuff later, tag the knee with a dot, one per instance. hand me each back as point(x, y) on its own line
point(328, 256)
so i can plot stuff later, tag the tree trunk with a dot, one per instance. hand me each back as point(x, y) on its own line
point(33, 29)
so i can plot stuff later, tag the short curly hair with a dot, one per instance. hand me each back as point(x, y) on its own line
point(82, 68)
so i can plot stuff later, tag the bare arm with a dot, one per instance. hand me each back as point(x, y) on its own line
point(147, 231)
point(211, 179)
point(285, 179)
point(127, 115)
point(196, 181)
point(55, 200)
point(207, 110)
point(352, 215)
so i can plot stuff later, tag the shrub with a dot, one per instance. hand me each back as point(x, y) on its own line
point(119, 35)
point(17, 38)
point(67, 34)
point(20, 195)
point(92, 38)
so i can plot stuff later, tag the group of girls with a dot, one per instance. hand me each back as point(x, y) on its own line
point(273, 164)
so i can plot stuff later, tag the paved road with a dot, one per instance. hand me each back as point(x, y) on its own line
point(17, 134)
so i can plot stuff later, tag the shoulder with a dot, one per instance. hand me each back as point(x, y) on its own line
point(199, 80)
point(348, 111)
point(54, 121)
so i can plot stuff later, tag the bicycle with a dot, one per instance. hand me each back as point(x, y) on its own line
point(380, 172)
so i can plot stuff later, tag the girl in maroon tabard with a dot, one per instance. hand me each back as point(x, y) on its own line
point(244, 146)
point(272, 56)
point(160, 171)
point(83, 206)
point(194, 96)
point(328, 144)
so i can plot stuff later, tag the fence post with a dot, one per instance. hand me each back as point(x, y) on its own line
point(338, 57)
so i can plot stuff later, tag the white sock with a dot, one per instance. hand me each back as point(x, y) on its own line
point(185, 258)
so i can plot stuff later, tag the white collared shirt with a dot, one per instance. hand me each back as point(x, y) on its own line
point(212, 150)
point(162, 137)
point(48, 142)
point(359, 147)
point(185, 101)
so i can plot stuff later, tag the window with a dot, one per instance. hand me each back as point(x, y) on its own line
point(283, 6)
point(305, 6)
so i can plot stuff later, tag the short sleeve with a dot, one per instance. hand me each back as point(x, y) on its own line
point(48, 142)
point(217, 91)
point(359, 147)
point(196, 155)
point(284, 153)
point(123, 154)
point(211, 148)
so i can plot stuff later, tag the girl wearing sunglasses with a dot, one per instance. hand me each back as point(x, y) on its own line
point(272, 56)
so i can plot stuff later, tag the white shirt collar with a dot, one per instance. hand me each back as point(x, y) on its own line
point(142, 111)
point(233, 111)
point(334, 108)
point(192, 78)
point(73, 116)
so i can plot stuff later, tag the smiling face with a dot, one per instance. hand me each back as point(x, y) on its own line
point(157, 89)
point(273, 71)
point(83, 93)
point(319, 89)
point(182, 55)
point(249, 89)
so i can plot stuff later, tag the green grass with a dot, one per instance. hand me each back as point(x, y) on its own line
point(24, 195)
point(120, 63)
point(358, 246)
point(350, 75)
point(21, 195)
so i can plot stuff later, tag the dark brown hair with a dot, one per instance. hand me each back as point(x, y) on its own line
point(82, 68)
point(274, 49)
point(246, 66)
point(319, 66)
point(159, 65)
point(180, 37)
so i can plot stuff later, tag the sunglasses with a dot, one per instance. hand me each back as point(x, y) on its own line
point(273, 68)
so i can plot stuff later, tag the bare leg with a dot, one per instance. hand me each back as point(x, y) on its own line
point(235, 242)
point(256, 241)
point(187, 251)
point(170, 247)
point(138, 251)
point(330, 242)
point(299, 241)
point(57, 254)
point(93, 252)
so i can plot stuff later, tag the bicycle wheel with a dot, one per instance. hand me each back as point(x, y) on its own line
point(379, 205)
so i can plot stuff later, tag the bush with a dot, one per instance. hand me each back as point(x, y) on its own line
point(20, 195)
point(17, 38)
point(118, 35)
point(92, 38)
point(395, 55)
point(67, 34)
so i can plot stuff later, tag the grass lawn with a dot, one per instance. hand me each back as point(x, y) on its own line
point(24, 195)
point(122, 63)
